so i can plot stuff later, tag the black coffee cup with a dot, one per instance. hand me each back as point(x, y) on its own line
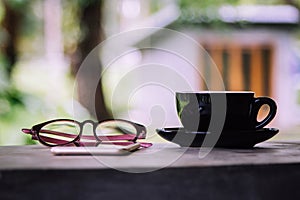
point(235, 110)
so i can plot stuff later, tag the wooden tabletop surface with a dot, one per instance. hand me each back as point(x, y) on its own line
point(164, 171)
point(160, 155)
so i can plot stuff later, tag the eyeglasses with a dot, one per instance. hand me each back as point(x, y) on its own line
point(64, 132)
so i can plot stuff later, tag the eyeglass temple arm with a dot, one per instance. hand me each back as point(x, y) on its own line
point(30, 132)
point(78, 143)
point(34, 136)
point(103, 138)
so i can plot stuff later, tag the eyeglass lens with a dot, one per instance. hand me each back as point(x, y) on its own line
point(59, 132)
point(115, 128)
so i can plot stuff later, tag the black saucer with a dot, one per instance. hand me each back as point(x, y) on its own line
point(227, 139)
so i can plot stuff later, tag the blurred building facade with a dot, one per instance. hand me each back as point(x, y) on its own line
point(253, 47)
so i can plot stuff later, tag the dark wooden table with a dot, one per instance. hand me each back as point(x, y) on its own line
point(271, 170)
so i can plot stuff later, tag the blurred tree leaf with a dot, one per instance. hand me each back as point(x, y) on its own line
point(206, 12)
point(204, 4)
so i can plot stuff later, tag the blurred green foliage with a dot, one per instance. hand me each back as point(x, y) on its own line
point(195, 12)
point(26, 86)
point(187, 4)
point(184, 4)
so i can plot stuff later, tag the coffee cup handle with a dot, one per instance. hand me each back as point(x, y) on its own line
point(258, 103)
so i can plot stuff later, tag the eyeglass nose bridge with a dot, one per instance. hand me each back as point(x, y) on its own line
point(88, 121)
point(94, 125)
